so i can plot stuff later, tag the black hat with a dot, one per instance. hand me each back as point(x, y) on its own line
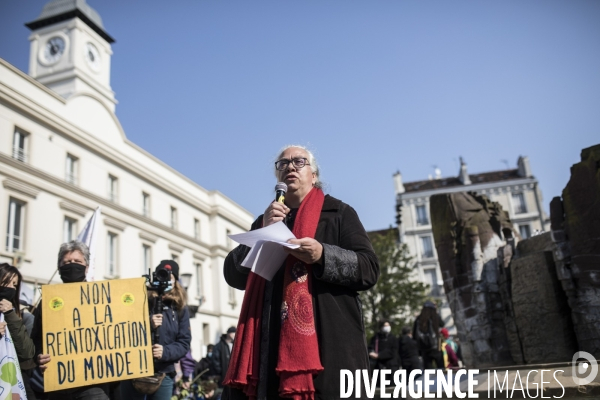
point(170, 265)
point(231, 329)
point(429, 304)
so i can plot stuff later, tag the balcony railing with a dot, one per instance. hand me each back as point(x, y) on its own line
point(19, 154)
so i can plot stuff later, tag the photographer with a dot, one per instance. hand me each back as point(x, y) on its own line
point(173, 325)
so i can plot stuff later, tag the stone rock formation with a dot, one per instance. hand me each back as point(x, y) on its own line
point(575, 224)
point(538, 302)
point(541, 310)
point(469, 230)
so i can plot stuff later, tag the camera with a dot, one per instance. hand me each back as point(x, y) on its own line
point(161, 280)
point(161, 277)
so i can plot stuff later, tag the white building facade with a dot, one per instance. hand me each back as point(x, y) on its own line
point(516, 190)
point(63, 153)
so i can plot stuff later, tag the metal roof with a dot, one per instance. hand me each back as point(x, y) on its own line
point(486, 177)
point(61, 10)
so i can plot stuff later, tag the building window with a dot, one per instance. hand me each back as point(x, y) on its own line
point(422, 215)
point(14, 231)
point(71, 169)
point(145, 204)
point(199, 284)
point(206, 334)
point(232, 300)
point(426, 247)
point(69, 229)
point(112, 188)
point(20, 145)
point(173, 217)
point(146, 258)
point(430, 276)
point(111, 255)
point(524, 231)
point(519, 203)
point(196, 229)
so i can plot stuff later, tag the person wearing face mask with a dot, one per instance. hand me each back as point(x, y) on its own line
point(206, 364)
point(174, 339)
point(10, 289)
point(383, 349)
point(73, 262)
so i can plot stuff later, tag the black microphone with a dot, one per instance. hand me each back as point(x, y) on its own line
point(280, 191)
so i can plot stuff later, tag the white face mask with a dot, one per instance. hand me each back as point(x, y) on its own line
point(386, 329)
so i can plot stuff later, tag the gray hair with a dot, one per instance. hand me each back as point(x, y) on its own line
point(314, 166)
point(72, 246)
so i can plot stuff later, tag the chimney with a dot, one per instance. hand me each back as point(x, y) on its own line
point(463, 176)
point(524, 168)
point(398, 183)
point(438, 173)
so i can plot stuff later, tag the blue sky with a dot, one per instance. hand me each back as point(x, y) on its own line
point(215, 88)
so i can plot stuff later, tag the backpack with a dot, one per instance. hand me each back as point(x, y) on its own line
point(452, 344)
point(426, 340)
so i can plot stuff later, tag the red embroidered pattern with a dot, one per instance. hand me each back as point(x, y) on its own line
point(300, 310)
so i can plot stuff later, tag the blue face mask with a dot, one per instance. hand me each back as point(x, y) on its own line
point(169, 288)
point(209, 355)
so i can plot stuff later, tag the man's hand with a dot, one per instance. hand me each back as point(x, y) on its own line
point(156, 320)
point(43, 359)
point(274, 213)
point(310, 251)
point(157, 351)
point(373, 355)
point(5, 305)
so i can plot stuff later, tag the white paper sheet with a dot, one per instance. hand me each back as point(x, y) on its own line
point(266, 248)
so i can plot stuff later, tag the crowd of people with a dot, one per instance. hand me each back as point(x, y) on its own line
point(425, 345)
point(176, 372)
point(305, 338)
point(295, 332)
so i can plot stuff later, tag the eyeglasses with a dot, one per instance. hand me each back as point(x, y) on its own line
point(298, 163)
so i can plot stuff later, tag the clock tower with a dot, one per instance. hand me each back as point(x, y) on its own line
point(70, 51)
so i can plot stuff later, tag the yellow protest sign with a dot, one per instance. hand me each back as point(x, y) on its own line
point(96, 332)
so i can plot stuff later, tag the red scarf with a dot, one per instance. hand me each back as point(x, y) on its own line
point(299, 357)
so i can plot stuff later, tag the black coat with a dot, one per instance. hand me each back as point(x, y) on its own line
point(220, 358)
point(205, 364)
point(386, 347)
point(435, 336)
point(175, 337)
point(409, 352)
point(349, 265)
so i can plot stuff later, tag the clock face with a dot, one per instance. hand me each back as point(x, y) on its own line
point(54, 49)
point(92, 56)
